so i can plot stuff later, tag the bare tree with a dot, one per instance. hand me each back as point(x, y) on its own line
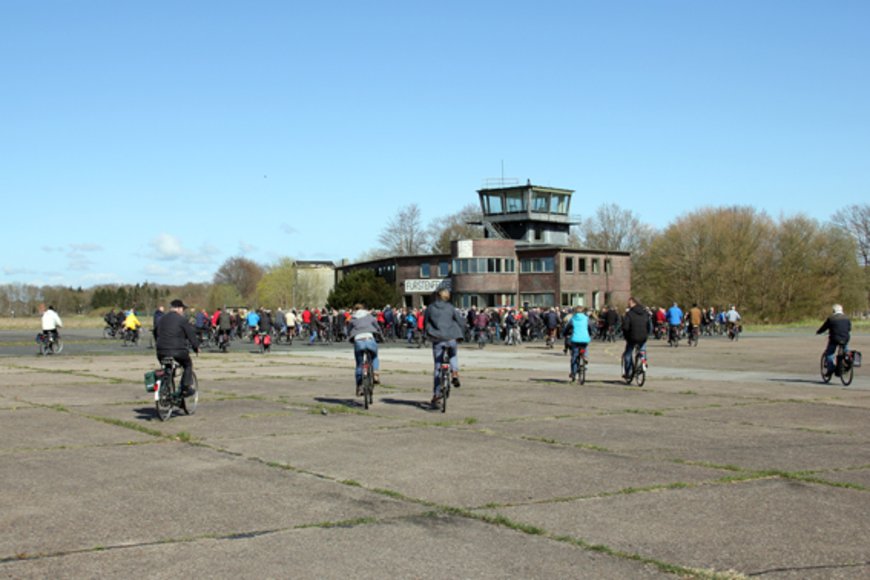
point(455, 226)
point(855, 220)
point(242, 273)
point(404, 234)
point(614, 229)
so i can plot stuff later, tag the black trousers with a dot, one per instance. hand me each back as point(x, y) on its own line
point(183, 358)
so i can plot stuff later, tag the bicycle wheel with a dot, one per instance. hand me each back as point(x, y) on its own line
point(44, 348)
point(164, 397)
point(368, 385)
point(823, 368)
point(107, 332)
point(639, 372)
point(188, 404)
point(581, 372)
point(445, 389)
point(56, 345)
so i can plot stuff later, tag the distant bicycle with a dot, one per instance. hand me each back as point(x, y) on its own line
point(578, 365)
point(168, 396)
point(734, 330)
point(131, 337)
point(49, 343)
point(844, 366)
point(638, 369)
point(693, 336)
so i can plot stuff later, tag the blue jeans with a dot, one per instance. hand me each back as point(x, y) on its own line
point(628, 356)
point(830, 352)
point(438, 349)
point(576, 347)
point(361, 346)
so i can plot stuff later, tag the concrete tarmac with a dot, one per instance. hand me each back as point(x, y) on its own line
point(734, 460)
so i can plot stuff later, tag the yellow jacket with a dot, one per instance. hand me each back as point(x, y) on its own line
point(131, 321)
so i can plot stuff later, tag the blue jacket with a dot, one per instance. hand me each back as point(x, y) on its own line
point(253, 318)
point(579, 328)
point(675, 315)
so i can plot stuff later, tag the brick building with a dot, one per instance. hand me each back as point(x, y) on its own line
point(523, 260)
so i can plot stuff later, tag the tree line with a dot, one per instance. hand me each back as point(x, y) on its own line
point(774, 270)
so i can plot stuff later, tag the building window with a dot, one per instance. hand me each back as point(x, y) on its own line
point(425, 271)
point(443, 269)
point(493, 203)
point(510, 265)
point(484, 265)
point(581, 265)
point(558, 203)
point(535, 265)
point(515, 202)
point(596, 267)
point(569, 264)
point(542, 299)
point(574, 299)
point(608, 266)
point(540, 202)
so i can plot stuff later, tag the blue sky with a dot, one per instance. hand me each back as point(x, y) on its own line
point(151, 141)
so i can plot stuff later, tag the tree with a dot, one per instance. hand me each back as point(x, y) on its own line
point(854, 220)
point(455, 226)
point(362, 286)
point(403, 234)
point(614, 229)
point(242, 273)
point(221, 295)
point(278, 285)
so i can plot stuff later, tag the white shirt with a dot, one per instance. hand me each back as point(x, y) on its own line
point(732, 316)
point(51, 321)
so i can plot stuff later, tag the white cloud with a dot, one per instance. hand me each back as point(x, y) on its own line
point(246, 248)
point(85, 247)
point(288, 229)
point(167, 247)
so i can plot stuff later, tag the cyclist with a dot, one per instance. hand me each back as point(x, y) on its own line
point(224, 323)
point(253, 321)
point(51, 322)
point(444, 325)
point(839, 329)
point(362, 332)
point(174, 333)
point(481, 324)
point(636, 327)
point(551, 322)
point(577, 330)
point(675, 320)
point(732, 317)
point(131, 323)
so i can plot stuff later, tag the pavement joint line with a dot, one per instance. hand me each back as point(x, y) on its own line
point(816, 567)
point(113, 380)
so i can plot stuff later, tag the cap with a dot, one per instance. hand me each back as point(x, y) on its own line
point(177, 304)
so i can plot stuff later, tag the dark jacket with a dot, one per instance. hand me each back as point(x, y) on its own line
point(225, 321)
point(839, 328)
point(636, 325)
point(265, 322)
point(174, 332)
point(443, 322)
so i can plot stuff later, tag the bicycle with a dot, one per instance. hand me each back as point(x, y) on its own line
point(693, 336)
point(49, 343)
point(368, 378)
point(444, 379)
point(734, 331)
point(674, 335)
point(168, 396)
point(264, 342)
point(131, 337)
point(482, 337)
point(223, 341)
point(844, 366)
point(638, 369)
point(513, 336)
point(578, 364)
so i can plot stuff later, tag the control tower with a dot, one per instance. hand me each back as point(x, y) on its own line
point(531, 215)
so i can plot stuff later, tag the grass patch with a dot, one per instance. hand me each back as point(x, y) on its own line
point(183, 436)
point(652, 412)
point(340, 524)
point(127, 425)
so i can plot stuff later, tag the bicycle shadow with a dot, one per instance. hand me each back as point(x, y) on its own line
point(799, 381)
point(423, 405)
point(350, 403)
point(146, 414)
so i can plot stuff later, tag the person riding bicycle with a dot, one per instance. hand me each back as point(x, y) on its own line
point(675, 320)
point(362, 332)
point(444, 325)
point(225, 323)
point(253, 322)
point(732, 318)
point(551, 323)
point(174, 333)
point(636, 328)
point(51, 322)
point(132, 324)
point(578, 331)
point(839, 329)
point(481, 324)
